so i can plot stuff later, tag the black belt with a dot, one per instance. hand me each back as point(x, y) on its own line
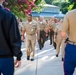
point(71, 42)
point(41, 30)
point(31, 34)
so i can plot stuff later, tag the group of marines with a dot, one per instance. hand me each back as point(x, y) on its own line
point(42, 30)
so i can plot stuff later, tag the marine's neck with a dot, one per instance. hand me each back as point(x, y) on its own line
point(30, 21)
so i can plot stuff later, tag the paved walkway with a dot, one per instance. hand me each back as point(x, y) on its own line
point(45, 62)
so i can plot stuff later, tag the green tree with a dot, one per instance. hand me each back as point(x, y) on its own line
point(72, 4)
point(64, 7)
point(56, 3)
point(39, 5)
point(49, 1)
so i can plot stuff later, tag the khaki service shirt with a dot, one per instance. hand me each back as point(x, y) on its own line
point(58, 31)
point(42, 25)
point(69, 25)
point(30, 27)
point(52, 25)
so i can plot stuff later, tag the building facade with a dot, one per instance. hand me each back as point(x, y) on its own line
point(49, 11)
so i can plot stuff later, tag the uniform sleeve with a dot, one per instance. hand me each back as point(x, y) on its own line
point(23, 27)
point(65, 25)
point(38, 27)
point(15, 38)
point(55, 30)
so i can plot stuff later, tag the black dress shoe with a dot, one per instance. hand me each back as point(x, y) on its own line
point(28, 57)
point(42, 45)
point(50, 43)
point(32, 59)
point(56, 55)
point(40, 48)
point(62, 59)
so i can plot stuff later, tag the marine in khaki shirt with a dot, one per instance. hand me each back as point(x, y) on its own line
point(42, 25)
point(69, 29)
point(30, 27)
point(52, 24)
point(47, 29)
point(58, 39)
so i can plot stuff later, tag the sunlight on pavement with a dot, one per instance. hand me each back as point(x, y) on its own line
point(47, 58)
point(52, 57)
point(43, 52)
point(44, 58)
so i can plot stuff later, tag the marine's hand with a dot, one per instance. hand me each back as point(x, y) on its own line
point(17, 64)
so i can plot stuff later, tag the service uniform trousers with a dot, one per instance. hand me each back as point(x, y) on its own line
point(42, 39)
point(58, 44)
point(63, 45)
point(69, 59)
point(51, 33)
point(30, 45)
